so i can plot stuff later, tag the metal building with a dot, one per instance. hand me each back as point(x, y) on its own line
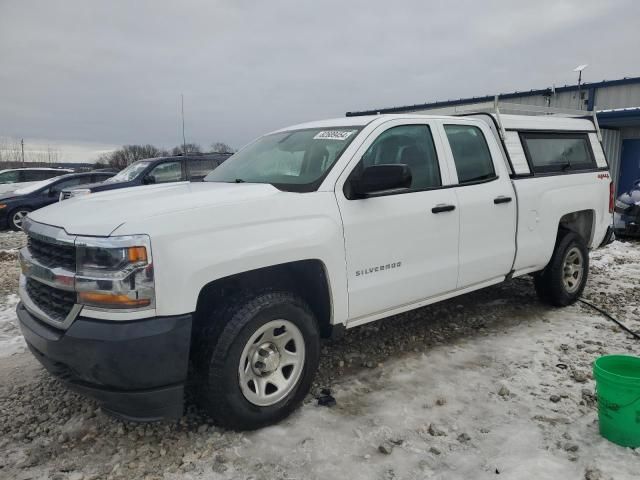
point(617, 103)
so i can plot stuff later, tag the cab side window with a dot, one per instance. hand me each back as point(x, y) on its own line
point(72, 182)
point(167, 172)
point(9, 177)
point(30, 175)
point(411, 145)
point(45, 174)
point(200, 168)
point(470, 153)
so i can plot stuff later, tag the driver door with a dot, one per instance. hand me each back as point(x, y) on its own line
point(401, 246)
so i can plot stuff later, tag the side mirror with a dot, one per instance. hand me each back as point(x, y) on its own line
point(149, 180)
point(381, 178)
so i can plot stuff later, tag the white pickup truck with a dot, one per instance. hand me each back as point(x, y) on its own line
point(232, 282)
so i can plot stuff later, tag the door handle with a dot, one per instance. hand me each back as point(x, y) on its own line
point(442, 208)
point(501, 199)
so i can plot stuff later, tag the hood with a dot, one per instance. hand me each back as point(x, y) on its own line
point(100, 186)
point(101, 213)
point(10, 187)
point(9, 196)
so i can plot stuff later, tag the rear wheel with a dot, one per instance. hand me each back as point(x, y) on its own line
point(16, 218)
point(259, 365)
point(562, 281)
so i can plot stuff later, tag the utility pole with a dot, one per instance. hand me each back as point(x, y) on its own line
point(184, 140)
point(22, 146)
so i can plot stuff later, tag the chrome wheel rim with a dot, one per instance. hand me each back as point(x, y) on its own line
point(573, 270)
point(18, 218)
point(271, 363)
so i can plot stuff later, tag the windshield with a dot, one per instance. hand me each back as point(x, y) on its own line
point(129, 173)
point(35, 186)
point(295, 160)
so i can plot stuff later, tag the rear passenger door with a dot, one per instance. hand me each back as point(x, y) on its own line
point(486, 202)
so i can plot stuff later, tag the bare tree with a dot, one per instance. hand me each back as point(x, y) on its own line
point(190, 147)
point(128, 154)
point(10, 150)
point(221, 147)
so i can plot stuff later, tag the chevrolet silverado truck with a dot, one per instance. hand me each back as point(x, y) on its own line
point(229, 284)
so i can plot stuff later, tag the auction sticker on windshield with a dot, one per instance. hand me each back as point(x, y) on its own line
point(334, 135)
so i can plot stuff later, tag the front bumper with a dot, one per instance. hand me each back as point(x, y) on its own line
point(136, 370)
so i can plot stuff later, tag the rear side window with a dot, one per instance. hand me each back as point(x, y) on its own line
point(45, 174)
point(100, 177)
point(9, 177)
point(557, 152)
point(72, 182)
point(470, 153)
point(198, 169)
point(31, 176)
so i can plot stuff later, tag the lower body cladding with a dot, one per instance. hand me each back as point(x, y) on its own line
point(136, 370)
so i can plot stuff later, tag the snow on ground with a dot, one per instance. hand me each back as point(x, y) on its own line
point(11, 342)
point(486, 399)
point(490, 385)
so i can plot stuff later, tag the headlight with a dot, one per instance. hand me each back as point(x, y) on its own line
point(115, 272)
point(2, 205)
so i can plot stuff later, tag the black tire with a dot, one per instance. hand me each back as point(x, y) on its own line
point(550, 284)
point(221, 347)
point(13, 226)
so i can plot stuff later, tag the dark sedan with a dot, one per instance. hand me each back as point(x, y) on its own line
point(15, 206)
point(155, 170)
point(626, 217)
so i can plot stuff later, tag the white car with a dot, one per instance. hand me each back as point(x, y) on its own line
point(306, 231)
point(15, 178)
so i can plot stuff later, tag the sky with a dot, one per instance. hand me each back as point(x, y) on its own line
point(87, 76)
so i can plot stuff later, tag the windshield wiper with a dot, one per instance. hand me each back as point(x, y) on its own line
point(239, 180)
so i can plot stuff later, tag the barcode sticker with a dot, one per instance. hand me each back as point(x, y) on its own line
point(333, 135)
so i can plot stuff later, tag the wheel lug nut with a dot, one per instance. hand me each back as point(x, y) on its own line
point(262, 352)
point(259, 365)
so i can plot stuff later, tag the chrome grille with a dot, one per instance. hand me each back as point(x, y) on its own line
point(53, 255)
point(54, 302)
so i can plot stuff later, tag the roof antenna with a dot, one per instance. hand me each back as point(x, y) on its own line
point(184, 141)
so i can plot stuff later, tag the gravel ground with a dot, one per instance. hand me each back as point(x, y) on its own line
point(468, 388)
point(10, 243)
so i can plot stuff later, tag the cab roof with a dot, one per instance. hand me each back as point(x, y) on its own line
point(509, 122)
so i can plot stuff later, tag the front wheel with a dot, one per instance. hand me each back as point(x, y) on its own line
point(562, 281)
point(16, 218)
point(262, 363)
